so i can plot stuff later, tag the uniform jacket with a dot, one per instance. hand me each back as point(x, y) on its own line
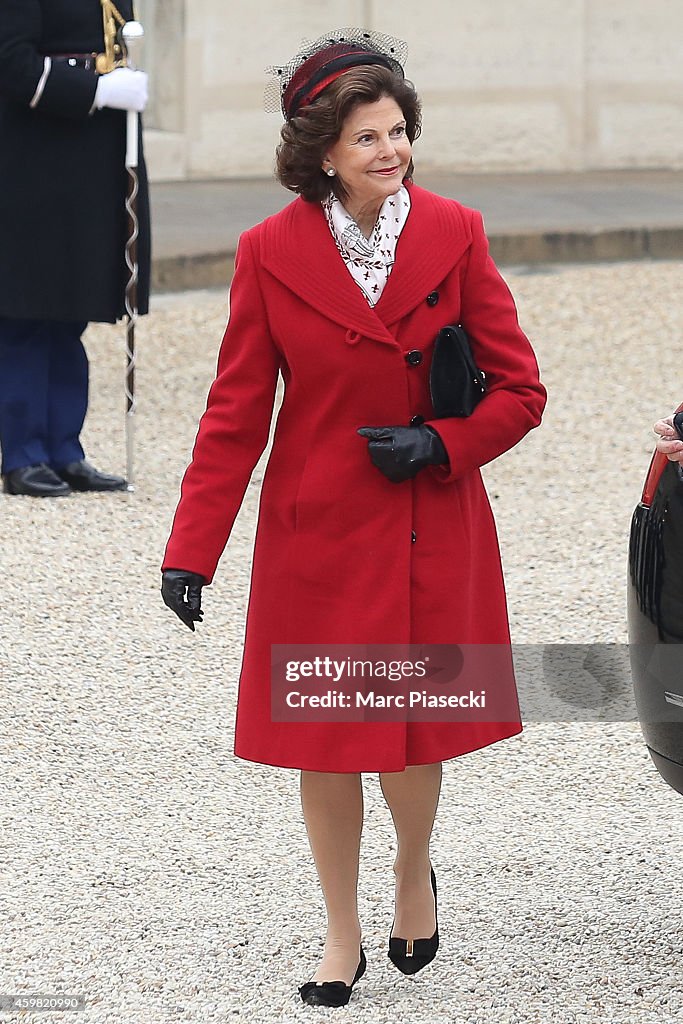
point(342, 555)
point(62, 177)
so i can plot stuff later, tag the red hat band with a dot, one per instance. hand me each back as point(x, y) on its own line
point(324, 67)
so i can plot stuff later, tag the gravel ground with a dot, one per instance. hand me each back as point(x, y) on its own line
point(142, 865)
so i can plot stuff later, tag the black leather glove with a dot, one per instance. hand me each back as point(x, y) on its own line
point(174, 583)
point(401, 452)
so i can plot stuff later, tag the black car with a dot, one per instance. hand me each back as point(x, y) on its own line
point(655, 613)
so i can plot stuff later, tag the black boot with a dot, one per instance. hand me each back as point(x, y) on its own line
point(81, 476)
point(37, 481)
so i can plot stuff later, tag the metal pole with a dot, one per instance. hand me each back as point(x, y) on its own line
point(132, 33)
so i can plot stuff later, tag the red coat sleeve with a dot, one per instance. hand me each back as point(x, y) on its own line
point(233, 432)
point(515, 397)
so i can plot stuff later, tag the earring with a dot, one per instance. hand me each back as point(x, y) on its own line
point(330, 172)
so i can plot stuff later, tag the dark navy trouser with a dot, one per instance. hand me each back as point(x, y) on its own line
point(43, 392)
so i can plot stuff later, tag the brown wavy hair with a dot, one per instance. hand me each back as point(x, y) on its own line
point(307, 136)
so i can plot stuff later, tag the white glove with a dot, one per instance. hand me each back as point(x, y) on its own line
point(122, 89)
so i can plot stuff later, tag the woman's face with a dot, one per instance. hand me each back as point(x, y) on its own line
point(372, 154)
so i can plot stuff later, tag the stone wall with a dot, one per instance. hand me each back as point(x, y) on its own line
point(535, 85)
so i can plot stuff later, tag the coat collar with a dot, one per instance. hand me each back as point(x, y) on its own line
point(298, 249)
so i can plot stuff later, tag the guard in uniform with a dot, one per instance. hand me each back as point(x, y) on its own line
point(62, 230)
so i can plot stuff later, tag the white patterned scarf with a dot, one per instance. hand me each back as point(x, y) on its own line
point(369, 260)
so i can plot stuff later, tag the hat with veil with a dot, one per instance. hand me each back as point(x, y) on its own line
point(317, 64)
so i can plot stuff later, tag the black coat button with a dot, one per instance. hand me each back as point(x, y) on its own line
point(416, 421)
point(414, 357)
point(432, 298)
point(413, 536)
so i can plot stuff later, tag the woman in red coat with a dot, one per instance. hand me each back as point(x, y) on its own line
point(365, 535)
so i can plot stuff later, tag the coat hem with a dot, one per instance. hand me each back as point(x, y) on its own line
point(396, 766)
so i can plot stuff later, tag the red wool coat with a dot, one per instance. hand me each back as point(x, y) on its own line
point(342, 555)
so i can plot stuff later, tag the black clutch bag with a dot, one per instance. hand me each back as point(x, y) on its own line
point(456, 383)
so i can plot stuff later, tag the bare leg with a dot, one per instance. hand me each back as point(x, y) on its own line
point(412, 797)
point(332, 804)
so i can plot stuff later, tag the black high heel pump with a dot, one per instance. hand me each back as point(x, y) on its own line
point(332, 993)
point(411, 955)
